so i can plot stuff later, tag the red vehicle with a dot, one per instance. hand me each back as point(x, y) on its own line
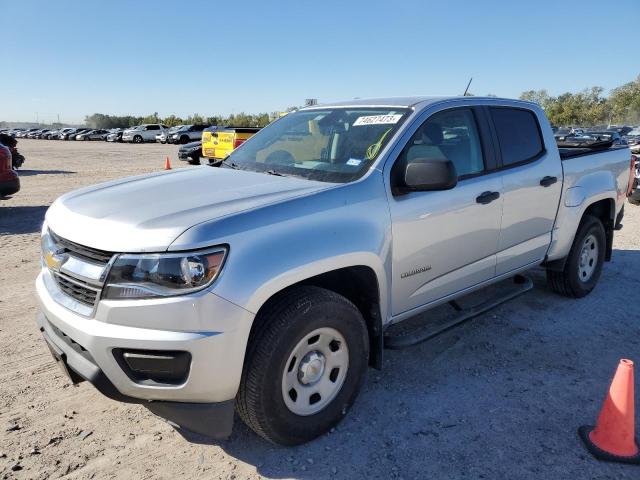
point(9, 180)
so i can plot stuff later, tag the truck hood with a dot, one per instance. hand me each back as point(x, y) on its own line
point(147, 213)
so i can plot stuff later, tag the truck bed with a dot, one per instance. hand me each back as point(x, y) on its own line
point(570, 149)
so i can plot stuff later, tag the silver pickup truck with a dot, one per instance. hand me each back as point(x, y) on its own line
point(268, 286)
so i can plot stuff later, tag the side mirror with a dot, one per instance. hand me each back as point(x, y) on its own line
point(426, 174)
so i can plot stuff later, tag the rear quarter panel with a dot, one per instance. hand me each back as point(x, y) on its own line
point(587, 180)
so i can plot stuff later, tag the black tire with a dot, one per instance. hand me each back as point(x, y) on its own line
point(568, 282)
point(281, 326)
point(634, 198)
point(192, 161)
point(184, 140)
point(137, 139)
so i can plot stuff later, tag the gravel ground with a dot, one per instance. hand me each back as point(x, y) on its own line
point(500, 397)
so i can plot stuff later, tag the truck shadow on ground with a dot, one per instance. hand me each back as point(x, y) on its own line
point(21, 220)
point(500, 396)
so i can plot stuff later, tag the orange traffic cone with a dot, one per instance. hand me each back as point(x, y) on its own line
point(613, 437)
point(167, 164)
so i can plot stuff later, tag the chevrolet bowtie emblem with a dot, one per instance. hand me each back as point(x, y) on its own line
point(54, 260)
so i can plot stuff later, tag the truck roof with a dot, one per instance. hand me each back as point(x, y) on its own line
point(405, 102)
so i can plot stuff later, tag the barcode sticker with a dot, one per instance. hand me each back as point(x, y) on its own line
point(377, 120)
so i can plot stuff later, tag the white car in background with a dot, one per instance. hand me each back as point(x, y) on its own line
point(143, 133)
point(163, 136)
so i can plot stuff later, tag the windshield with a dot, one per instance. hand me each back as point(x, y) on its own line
point(330, 145)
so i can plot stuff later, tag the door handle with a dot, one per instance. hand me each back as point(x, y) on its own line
point(548, 181)
point(487, 197)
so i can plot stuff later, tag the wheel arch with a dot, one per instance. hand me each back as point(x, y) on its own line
point(359, 284)
point(603, 208)
point(605, 211)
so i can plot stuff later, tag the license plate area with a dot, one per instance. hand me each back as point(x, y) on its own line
point(61, 359)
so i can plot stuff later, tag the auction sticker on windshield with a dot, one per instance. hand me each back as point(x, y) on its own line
point(377, 120)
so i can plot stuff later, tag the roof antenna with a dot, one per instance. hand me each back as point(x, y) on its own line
point(467, 89)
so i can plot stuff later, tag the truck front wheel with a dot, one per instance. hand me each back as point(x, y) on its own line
point(304, 365)
point(584, 263)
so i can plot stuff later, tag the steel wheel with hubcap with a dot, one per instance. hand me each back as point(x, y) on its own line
point(588, 258)
point(307, 355)
point(315, 371)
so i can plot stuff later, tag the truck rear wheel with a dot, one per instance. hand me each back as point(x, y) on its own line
point(584, 263)
point(304, 365)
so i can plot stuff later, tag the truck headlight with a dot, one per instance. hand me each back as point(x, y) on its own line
point(163, 274)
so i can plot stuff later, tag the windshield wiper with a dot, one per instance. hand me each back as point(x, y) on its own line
point(230, 164)
point(273, 172)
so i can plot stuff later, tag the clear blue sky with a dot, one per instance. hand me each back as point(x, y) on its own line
point(135, 57)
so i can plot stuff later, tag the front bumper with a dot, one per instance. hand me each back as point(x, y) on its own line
point(212, 330)
point(211, 419)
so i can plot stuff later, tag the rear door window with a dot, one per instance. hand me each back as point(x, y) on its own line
point(518, 134)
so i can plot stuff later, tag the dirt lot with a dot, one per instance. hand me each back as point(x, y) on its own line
point(500, 397)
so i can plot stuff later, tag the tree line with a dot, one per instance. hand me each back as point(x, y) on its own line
point(100, 120)
point(590, 107)
point(585, 108)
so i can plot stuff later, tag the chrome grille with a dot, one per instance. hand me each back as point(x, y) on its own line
point(81, 251)
point(77, 290)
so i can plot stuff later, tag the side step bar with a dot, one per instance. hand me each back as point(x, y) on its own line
point(434, 322)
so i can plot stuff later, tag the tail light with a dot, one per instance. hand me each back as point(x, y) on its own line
point(5, 158)
point(632, 174)
point(237, 142)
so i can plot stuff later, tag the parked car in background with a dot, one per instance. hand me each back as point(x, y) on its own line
point(64, 131)
point(186, 134)
point(77, 131)
point(93, 135)
point(9, 180)
point(623, 130)
point(24, 133)
point(14, 132)
point(164, 134)
point(115, 135)
point(143, 133)
point(51, 134)
point(633, 140)
point(219, 142)
point(190, 152)
point(606, 136)
point(36, 133)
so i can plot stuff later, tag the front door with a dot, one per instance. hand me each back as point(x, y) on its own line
point(446, 241)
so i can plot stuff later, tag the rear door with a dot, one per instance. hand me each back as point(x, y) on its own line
point(532, 183)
